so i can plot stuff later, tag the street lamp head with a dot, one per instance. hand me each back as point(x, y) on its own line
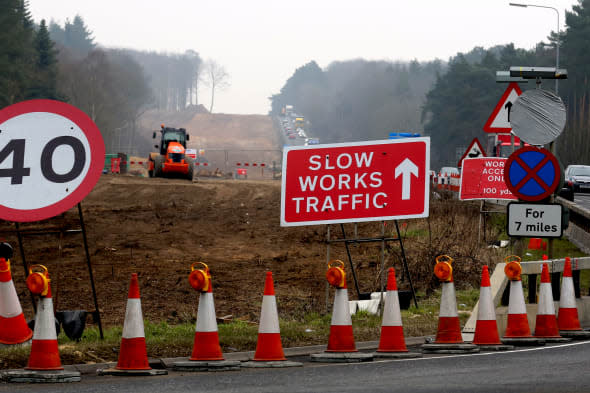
point(518, 5)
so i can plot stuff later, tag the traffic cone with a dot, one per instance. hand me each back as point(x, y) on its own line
point(44, 352)
point(206, 345)
point(269, 347)
point(567, 319)
point(13, 326)
point(449, 327)
point(517, 328)
point(341, 336)
point(546, 323)
point(341, 347)
point(392, 332)
point(518, 324)
point(486, 327)
point(568, 311)
point(133, 352)
point(448, 335)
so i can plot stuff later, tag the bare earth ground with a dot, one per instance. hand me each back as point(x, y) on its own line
point(226, 140)
point(158, 227)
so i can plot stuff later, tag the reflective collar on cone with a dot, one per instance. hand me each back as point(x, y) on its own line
point(341, 313)
point(391, 311)
point(516, 301)
point(568, 296)
point(269, 320)
point(9, 304)
point(448, 301)
point(206, 321)
point(45, 320)
point(485, 309)
point(133, 325)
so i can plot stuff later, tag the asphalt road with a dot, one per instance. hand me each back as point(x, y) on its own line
point(558, 368)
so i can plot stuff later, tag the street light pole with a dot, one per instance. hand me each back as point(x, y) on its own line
point(556, 42)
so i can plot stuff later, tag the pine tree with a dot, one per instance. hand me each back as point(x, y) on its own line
point(45, 79)
point(16, 50)
point(78, 38)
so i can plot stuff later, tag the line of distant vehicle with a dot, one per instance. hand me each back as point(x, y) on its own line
point(294, 125)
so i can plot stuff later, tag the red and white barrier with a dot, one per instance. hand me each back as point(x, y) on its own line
point(254, 164)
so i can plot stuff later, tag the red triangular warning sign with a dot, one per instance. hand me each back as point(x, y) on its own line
point(475, 150)
point(499, 120)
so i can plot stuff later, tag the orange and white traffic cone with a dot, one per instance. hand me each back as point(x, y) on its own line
point(44, 352)
point(546, 322)
point(486, 328)
point(448, 335)
point(44, 364)
point(567, 319)
point(269, 350)
point(13, 326)
point(268, 346)
point(133, 358)
point(341, 345)
point(133, 351)
point(206, 354)
point(517, 327)
point(392, 342)
point(206, 344)
point(392, 331)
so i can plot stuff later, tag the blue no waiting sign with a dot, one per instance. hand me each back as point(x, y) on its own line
point(532, 174)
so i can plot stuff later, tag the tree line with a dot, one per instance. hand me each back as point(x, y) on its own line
point(359, 99)
point(449, 101)
point(113, 86)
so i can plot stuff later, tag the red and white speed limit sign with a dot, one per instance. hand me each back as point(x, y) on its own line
point(51, 156)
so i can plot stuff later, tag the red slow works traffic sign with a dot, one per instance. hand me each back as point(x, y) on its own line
point(354, 182)
point(51, 156)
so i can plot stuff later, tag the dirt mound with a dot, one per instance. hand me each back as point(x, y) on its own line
point(225, 142)
point(158, 227)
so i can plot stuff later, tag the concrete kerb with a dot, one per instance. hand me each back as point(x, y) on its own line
point(33, 376)
point(458, 348)
point(193, 365)
point(91, 369)
point(575, 334)
point(131, 373)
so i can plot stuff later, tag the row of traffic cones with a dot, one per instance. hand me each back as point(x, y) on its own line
point(548, 327)
point(133, 354)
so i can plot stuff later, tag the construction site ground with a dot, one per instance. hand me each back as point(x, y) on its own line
point(158, 227)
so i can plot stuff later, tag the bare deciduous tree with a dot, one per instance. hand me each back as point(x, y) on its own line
point(216, 78)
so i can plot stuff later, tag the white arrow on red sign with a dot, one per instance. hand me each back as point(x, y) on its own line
point(406, 169)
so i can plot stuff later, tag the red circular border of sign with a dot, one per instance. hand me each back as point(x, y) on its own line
point(550, 190)
point(97, 149)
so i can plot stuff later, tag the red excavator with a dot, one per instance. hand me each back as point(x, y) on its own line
point(171, 160)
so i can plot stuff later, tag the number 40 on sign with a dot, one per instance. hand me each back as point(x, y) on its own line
point(51, 156)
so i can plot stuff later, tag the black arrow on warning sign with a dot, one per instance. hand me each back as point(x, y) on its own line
point(508, 106)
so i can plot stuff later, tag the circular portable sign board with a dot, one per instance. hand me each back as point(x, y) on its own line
point(537, 117)
point(532, 174)
point(51, 156)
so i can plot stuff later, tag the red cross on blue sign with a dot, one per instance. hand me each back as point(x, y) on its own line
point(532, 174)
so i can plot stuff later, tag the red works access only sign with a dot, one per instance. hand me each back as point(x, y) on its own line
point(355, 182)
point(483, 178)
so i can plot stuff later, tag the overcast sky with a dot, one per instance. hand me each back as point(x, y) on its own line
point(262, 42)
